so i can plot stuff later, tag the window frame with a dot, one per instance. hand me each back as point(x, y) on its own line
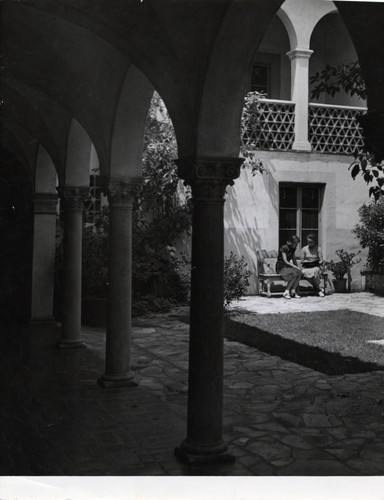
point(299, 210)
point(266, 66)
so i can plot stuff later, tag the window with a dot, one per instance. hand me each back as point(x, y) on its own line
point(260, 78)
point(299, 211)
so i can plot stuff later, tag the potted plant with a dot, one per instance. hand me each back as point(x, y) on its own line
point(370, 233)
point(341, 270)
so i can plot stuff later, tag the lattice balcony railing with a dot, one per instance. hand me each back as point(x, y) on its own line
point(274, 128)
point(334, 129)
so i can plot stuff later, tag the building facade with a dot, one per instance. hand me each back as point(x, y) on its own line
point(305, 144)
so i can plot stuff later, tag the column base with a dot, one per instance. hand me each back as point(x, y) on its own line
point(42, 320)
point(37, 325)
point(301, 146)
point(198, 454)
point(123, 380)
point(71, 344)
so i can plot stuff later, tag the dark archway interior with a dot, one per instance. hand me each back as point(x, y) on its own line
point(16, 229)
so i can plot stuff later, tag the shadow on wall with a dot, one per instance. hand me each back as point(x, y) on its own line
point(246, 210)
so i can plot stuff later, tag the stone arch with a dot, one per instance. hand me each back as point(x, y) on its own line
point(223, 94)
point(129, 124)
point(78, 156)
point(272, 54)
point(19, 142)
point(289, 26)
point(300, 18)
point(332, 44)
point(83, 82)
point(27, 115)
point(45, 174)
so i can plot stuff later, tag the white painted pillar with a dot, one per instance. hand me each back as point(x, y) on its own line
point(43, 259)
point(300, 96)
point(72, 198)
point(119, 328)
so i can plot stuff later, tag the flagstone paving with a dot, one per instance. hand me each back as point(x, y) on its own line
point(280, 418)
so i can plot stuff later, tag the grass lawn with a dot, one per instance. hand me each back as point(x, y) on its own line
point(334, 342)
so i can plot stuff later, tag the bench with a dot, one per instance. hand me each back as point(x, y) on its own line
point(267, 276)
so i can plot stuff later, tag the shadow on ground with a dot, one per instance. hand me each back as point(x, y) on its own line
point(309, 356)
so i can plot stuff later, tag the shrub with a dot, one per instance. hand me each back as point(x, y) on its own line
point(342, 268)
point(236, 278)
point(370, 233)
point(95, 257)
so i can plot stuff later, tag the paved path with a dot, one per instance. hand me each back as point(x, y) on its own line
point(279, 417)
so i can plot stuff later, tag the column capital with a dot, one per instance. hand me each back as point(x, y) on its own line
point(120, 190)
point(44, 203)
point(209, 176)
point(300, 53)
point(73, 196)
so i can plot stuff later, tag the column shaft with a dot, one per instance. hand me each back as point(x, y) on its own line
point(209, 179)
point(43, 260)
point(72, 255)
point(119, 327)
point(300, 92)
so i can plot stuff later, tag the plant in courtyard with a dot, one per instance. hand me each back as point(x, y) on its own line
point(342, 268)
point(250, 127)
point(331, 79)
point(370, 233)
point(236, 278)
point(161, 214)
point(159, 218)
point(95, 256)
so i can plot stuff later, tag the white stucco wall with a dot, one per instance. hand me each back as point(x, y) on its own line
point(252, 206)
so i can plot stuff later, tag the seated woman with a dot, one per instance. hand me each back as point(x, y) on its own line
point(288, 269)
point(311, 262)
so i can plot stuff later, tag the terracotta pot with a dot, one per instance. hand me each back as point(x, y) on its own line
point(340, 285)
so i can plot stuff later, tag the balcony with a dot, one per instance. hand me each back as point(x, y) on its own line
point(331, 129)
point(334, 129)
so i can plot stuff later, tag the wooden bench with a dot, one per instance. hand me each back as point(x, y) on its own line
point(267, 276)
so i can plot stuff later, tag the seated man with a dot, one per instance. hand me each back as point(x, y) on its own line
point(311, 262)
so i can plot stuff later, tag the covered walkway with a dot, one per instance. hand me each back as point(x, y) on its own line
point(280, 418)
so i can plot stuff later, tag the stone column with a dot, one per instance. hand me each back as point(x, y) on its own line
point(299, 95)
point(208, 178)
point(72, 198)
point(43, 257)
point(119, 329)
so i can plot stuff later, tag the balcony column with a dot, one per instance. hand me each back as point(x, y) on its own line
point(119, 329)
point(300, 96)
point(72, 198)
point(208, 178)
point(43, 256)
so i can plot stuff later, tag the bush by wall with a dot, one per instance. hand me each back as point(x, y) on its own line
point(370, 233)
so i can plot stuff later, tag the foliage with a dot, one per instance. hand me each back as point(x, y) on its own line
point(342, 267)
point(161, 213)
point(236, 278)
point(95, 257)
point(250, 120)
point(158, 277)
point(370, 233)
point(333, 79)
point(348, 77)
point(371, 170)
point(158, 193)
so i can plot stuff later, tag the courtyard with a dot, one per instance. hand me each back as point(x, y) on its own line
point(281, 418)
